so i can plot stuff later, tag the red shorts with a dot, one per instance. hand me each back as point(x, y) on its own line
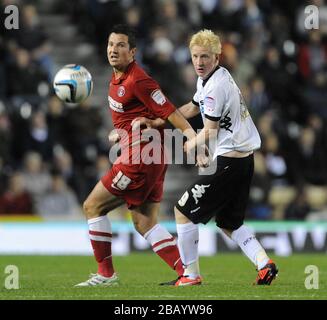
point(136, 183)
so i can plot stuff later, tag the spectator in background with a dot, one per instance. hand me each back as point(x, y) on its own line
point(32, 37)
point(275, 161)
point(3, 177)
point(276, 79)
point(255, 33)
point(55, 117)
point(3, 67)
point(102, 166)
point(241, 70)
point(38, 137)
point(299, 208)
point(189, 82)
point(171, 21)
point(259, 191)
point(258, 100)
point(5, 137)
point(36, 178)
point(311, 157)
point(252, 48)
point(63, 164)
point(163, 68)
point(251, 18)
point(134, 19)
point(59, 201)
point(278, 27)
point(221, 14)
point(312, 56)
point(312, 63)
point(24, 76)
point(103, 14)
point(16, 200)
point(81, 129)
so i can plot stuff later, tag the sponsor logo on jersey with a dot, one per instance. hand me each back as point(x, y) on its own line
point(121, 91)
point(198, 191)
point(226, 122)
point(209, 102)
point(114, 105)
point(158, 97)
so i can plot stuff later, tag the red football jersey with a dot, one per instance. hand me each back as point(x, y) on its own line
point(136, 94)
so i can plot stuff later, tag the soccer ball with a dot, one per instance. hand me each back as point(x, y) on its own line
point(73, 83)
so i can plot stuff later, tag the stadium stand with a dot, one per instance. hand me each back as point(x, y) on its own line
point(280, 67)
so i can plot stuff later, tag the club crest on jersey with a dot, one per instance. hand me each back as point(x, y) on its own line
point(158, 97)
point(209, 102)
point(121, 91)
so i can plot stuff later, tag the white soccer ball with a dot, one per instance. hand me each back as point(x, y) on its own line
point(73, 83)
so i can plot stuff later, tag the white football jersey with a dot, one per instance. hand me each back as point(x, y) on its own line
point(220, 99)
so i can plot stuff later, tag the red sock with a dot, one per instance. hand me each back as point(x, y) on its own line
point(101, 244)
point(167, 250)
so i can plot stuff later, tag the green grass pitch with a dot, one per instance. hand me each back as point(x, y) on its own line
point(226, 276)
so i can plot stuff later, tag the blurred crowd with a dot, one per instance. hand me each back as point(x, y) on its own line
point(51, 156)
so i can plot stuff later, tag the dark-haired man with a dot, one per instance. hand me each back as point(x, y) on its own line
point(132, 93)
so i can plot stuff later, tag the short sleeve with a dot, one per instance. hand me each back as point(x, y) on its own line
point(149, 93)
point(213, 103)
point(195, 99)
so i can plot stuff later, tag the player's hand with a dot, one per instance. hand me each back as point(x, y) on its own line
point(113, 137)
point(188, 146)
point(203, 158)
point(138, 122)
point(202, 161)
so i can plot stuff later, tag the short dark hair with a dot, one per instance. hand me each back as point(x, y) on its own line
point(127, 30)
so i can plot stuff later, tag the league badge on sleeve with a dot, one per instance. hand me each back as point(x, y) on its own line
point(158, 97)
point(209, 102)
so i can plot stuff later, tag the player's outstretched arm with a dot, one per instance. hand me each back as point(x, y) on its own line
point(209, 131)
point(176, 119)
point(179, 122)
point(189, 110)
point(149, 123)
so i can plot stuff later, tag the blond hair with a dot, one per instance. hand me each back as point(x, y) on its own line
point(206, 38)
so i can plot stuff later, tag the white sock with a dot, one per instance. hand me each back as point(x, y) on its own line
point(156, 234)
point(100, 224)
point(250, 246)
point(188, 242)
point(101, 237)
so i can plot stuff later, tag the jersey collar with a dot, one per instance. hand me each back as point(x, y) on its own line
point(209, 76)
point(124, 75)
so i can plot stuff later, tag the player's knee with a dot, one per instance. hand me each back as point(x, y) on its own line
point(139, 227)
point(90, 209)
point(179, 217)
point(143, 226)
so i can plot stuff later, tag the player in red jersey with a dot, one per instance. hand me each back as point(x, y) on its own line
point(132, 94)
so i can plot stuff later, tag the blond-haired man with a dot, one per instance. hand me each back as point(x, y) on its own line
point(224, 194)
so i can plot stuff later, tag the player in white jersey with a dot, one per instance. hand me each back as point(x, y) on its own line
point(220, 100)
point(224, 194)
